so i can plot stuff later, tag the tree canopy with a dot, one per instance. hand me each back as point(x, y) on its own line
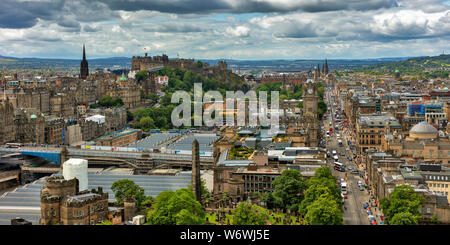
point(403, 218)
point(248, 214)
point(321, 185)
point(141, 76)
point(176, 208)
point(126, 188)
point(108, 101)
point(403, 199)
point(288, 189)
point(324, 211)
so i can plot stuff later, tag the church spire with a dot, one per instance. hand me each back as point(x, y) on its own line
point(84, 53)
point(84, 70)
point(325, 67)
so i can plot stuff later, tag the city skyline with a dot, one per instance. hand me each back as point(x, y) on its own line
point(244, 30)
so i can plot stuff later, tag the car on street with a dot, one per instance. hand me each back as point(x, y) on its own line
point(372, 220)
point(361, 188)
point(354, 171)
point(349, 168)
point(366, 205)
point(359, 182)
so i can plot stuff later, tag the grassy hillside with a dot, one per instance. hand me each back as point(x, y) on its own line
point(425, 67)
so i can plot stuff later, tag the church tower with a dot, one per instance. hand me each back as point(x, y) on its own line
point(84, 70)
point(310, 117)
point(325, 67)
point(317, 73)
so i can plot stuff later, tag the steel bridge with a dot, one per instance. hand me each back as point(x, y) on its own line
point(136, 160)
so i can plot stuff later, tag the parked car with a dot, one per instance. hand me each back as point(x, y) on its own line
point(359, 182)
point(361, 188)
point(355, 171)
point(366, 205)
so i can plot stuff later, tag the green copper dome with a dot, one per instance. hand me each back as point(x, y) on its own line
point(123, 78)
point(33, 116)
point(397, 71)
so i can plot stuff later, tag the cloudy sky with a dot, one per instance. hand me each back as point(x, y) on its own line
point(214, 29)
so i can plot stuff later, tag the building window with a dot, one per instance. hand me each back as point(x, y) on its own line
point(428, 210)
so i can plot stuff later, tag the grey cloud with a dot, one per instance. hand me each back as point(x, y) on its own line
point(25, 14)
point(88, 28)
point(246, 6)
point(173, 27)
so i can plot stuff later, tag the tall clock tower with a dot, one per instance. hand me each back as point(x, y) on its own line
point(310, 117)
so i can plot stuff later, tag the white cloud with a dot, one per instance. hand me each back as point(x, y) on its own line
point(118, 50)
point(239, 31)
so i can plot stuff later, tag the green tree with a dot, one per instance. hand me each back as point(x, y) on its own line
point(130, 116)
point(105, 222)
point(204, 191)
point(153, 98)
point(161, 122)
point(312, 194)
point(126, 188)
point(324, 211)
point(146, 123)
point(269, 200)
point(403, 218)
point(176, 208)
point(248, 214)
point(106, 100)
point(288, 189)
point(141, 76)
point(321, 108)
point(324, 172)
point(403, 199)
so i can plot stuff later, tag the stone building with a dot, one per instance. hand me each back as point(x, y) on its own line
point(424, 143)
point(120, 138)
point(371, 131)
point(129, 92)
point(115, 118)
point(62, 203)
point(63, 105)
point(91, 130)
point(74, 136)
point(7, 126)
point(54, 130)
point(30, 126)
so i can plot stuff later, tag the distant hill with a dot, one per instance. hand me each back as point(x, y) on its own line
point(278, 65)
point(426, 67)
point(62, 64)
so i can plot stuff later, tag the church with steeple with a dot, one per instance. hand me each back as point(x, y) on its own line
point(84, 70)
